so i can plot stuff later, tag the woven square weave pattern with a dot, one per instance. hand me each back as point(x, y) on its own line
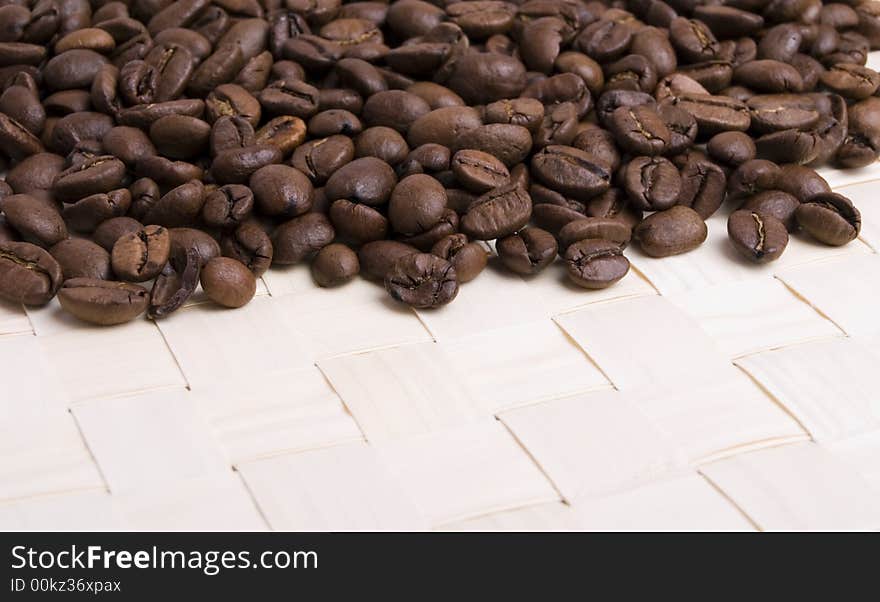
point(701, 392)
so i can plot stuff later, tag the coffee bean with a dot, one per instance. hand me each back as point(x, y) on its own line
point(652, 183)
point(497, 213)
point(801, 182)
point(441, 126)
point(34, 220)
point(777, 204)
point(286, 133)
point(282, 191)
point(525, 112)
point(180, 206)
point(830, 218)
point(175, 284)
point(715, 114)
point(250, 245)
point(377, 257)
point(228, 282)
point(595, 263)
point(528, 251)
point(140, 256)
point(335, 264)
point(851, 81)
point(731, 148)
point(639, 130)
point(671, 232)
point(777, 112)
point(570, 171)
point(468, 258)
point(597, 228)
point(693, 40)
point(422, 280)
point(228, 206)
point(752, 177)
point(478, 171)
point(356, 222)
point(757, 237)
point(28, 274)
point(417, 204)
point(383, 143)
point(109, 231)
point(103, 302)
point(789, 146)
point(86, 214)
point(236, 165)
point(185, 239)
point(367, 180)
point(81, 258)
point(180, 136)
point(296, 239)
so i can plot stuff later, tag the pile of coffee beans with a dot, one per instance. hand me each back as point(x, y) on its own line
point(154, 145)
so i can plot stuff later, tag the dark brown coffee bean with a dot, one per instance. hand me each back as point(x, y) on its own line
point(219, 68)
point(681, 125)
point(81, 258)
point(23, 105)
point(230, 133)
point(286, 133)
point(176, 283)
point(144, 194)
point(693, 40)
point(639, 130)
point(789, 146)
point(28, 274)
point(478, 171)
point(335, 264)
point(497, 213)
point(228, 206)
point(282, 191)
point(652, 183)
point(232, 100)
point(319, 159)
point(595, 264)
point(570, 171)
point(731, 148)
point(527, 252)
point(599, 144)
point(599, 228)
point(671, 232)
point(775, 203)
point(356, 222)
point(86, 214)
point(383, 143)
point(180, 136)
point(367, 180)
point(776, 112)
point(17, 141)
point(441, 126)
point(417, 204)
point(378, 257)
point(103, 302)
point(142, 116)
point(801, 182)
point(851, 81)
point(752, 177)
point(180, 206)
point(250, 245)
point(297, 239)
point(129, 144)
point(35, 173)
point(236, 165)
point(715, 114)
point(228, 282)
point(756, 236)
point(185, 239)
point(422, 280)
point(140, 256)
point(468, 258)
point(111, 230)
point(395, 109)
point(605, 40)
point(830, 218)
point(72, 69)
point(34, 220)
point(703, 185)
point(295, 98)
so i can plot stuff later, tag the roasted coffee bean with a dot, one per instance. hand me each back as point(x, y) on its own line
point(777, 204)
point(250, 245)
point(671, 232)
point(140, 256)
point(28, 274)
point(528, 251)
point(752, 177)
point(180, 206)
point(525, 112)
point(478, 171)
point(652, 183)
point(128, 144)
point(383, 143)
point(639, 130)
point(597, 228)
point(281, 191)
point(468, 258)
point(378, 257)
point(416, 205)
point(319, 159)
point(35, 220)
point(422, 280)
point(682, 128)
point(229, 133)
point(232, 100)
point(236, 165)
point(693, 40)
point(441, 126)
point(228, 282)
point(703, 185)
point(830, 218)
point(297, 239)
point(185, 239)
point(715, 114)
point(86, 214)
point(17, 141)
point(143, 116)
point(81, 258)
point(652, 44)
point(176, 283)
point(23, 105)
point(395, 109)
point(789, 146)
point(553, 218)
point(144, 194)
point(295, 98)
point(497, 213)
point(571, 171)
point(599, 144)
point(180, 136)
point(605, 40)
point(72, 69)
point(286, 133)
point(756, 236)
point(35, 173)
point(801, 182)
point(356, 222)
point(731, 148)
point(103, 302)
point(111, 230)
point(595, 263)
point(335, 264)
point(851, 81)
point(228, 206)
point(367, 180)
point(777, 112)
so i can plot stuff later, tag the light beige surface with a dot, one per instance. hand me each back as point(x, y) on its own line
point(699, 393)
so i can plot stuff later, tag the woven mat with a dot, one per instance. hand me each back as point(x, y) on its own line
point(699, 393)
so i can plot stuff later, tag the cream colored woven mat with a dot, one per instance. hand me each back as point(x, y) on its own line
point(699, 393)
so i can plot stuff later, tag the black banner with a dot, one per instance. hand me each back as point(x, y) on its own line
point(131, 566)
